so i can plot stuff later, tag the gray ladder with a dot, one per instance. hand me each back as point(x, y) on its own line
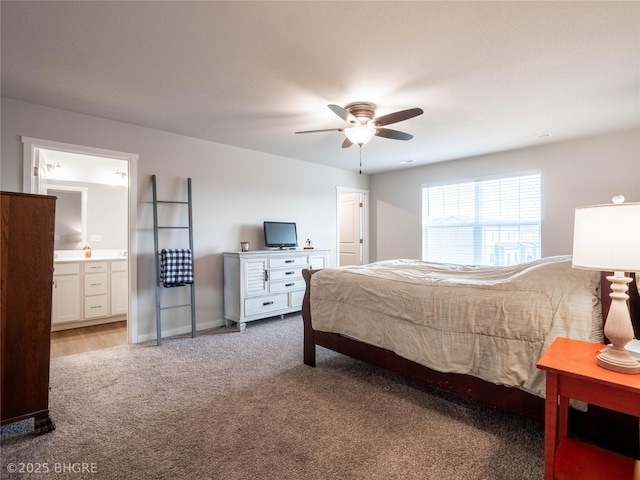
point(159, 285)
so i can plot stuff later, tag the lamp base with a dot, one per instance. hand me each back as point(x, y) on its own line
point(618, 360)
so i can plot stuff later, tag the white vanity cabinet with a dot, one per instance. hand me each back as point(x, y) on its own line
point(119, 287)
point(265, 283)
point(89, 292)
point(66, 293)
point(95, 290)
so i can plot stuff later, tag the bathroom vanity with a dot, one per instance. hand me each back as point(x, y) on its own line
point(89, 291)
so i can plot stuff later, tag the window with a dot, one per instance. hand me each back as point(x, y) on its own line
point(484, 222)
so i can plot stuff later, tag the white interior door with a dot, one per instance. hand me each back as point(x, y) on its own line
point(350, 218)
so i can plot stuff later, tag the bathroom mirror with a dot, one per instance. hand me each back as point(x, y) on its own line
point(71, 217)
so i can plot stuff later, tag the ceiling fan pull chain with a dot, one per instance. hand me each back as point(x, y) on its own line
point(360, 145)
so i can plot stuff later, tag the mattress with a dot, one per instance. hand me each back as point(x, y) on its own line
point(490, 322)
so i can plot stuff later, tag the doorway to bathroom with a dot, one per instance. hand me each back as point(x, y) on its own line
point(94, 247)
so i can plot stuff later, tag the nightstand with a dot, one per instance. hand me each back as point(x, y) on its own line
point(572, 372)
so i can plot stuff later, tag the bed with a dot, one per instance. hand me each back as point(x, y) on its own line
point(429, 322)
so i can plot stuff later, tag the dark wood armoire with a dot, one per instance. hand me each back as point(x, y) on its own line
point(26, 275)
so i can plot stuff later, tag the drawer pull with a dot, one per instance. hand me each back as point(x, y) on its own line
point(94, 284)
point(289, 284)
point(96, 306)
point(264, 304)
point(289, 273)
point(289, 261)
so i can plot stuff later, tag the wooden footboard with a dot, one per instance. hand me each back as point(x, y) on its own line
point(309, 340)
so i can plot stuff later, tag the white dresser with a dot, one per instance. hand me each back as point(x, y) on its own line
point(266, 283)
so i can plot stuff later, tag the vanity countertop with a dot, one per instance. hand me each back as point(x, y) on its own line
point(84, 259)
point(71, 256)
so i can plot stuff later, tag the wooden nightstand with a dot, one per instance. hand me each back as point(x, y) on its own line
point(572, 372)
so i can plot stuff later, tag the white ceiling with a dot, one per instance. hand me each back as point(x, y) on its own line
point(487, 74)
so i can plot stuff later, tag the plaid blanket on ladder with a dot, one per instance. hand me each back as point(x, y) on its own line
point(176, 267)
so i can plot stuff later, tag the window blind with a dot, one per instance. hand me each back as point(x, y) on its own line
point(482, 222)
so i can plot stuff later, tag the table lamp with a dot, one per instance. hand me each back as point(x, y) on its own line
point(607, 238)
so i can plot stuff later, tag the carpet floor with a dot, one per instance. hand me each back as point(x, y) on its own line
point(229, 405)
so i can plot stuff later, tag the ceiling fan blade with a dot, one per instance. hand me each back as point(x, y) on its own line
point(393, 134)
point(343, 114)
point(397, 116)
point(347, 143)
point(323, 130)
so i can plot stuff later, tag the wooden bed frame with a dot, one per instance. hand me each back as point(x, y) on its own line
point(513, 400)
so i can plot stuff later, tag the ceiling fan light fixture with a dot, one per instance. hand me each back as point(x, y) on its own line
point(361, 134)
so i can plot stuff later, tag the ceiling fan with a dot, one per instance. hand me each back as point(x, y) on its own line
point(364, 125)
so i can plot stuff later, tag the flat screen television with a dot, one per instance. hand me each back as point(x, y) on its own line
point(280, 235)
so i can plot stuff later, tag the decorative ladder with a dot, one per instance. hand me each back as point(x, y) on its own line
point(159, 284)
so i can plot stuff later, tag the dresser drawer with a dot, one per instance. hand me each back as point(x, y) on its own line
point(286, 285)
point(119, 266)
point(93, 267)
point(288, 261)
point(285, 274)
point(95, 306)
point(66, 268)
point(95, 284)
point(253, 306)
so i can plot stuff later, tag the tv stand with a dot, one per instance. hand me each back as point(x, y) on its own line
point(265, 283)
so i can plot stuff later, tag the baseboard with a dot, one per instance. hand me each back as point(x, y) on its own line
point(181, 330)
point(87, 323)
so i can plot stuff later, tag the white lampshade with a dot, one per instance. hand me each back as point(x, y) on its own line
point(607, 237)
point(361, 134)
